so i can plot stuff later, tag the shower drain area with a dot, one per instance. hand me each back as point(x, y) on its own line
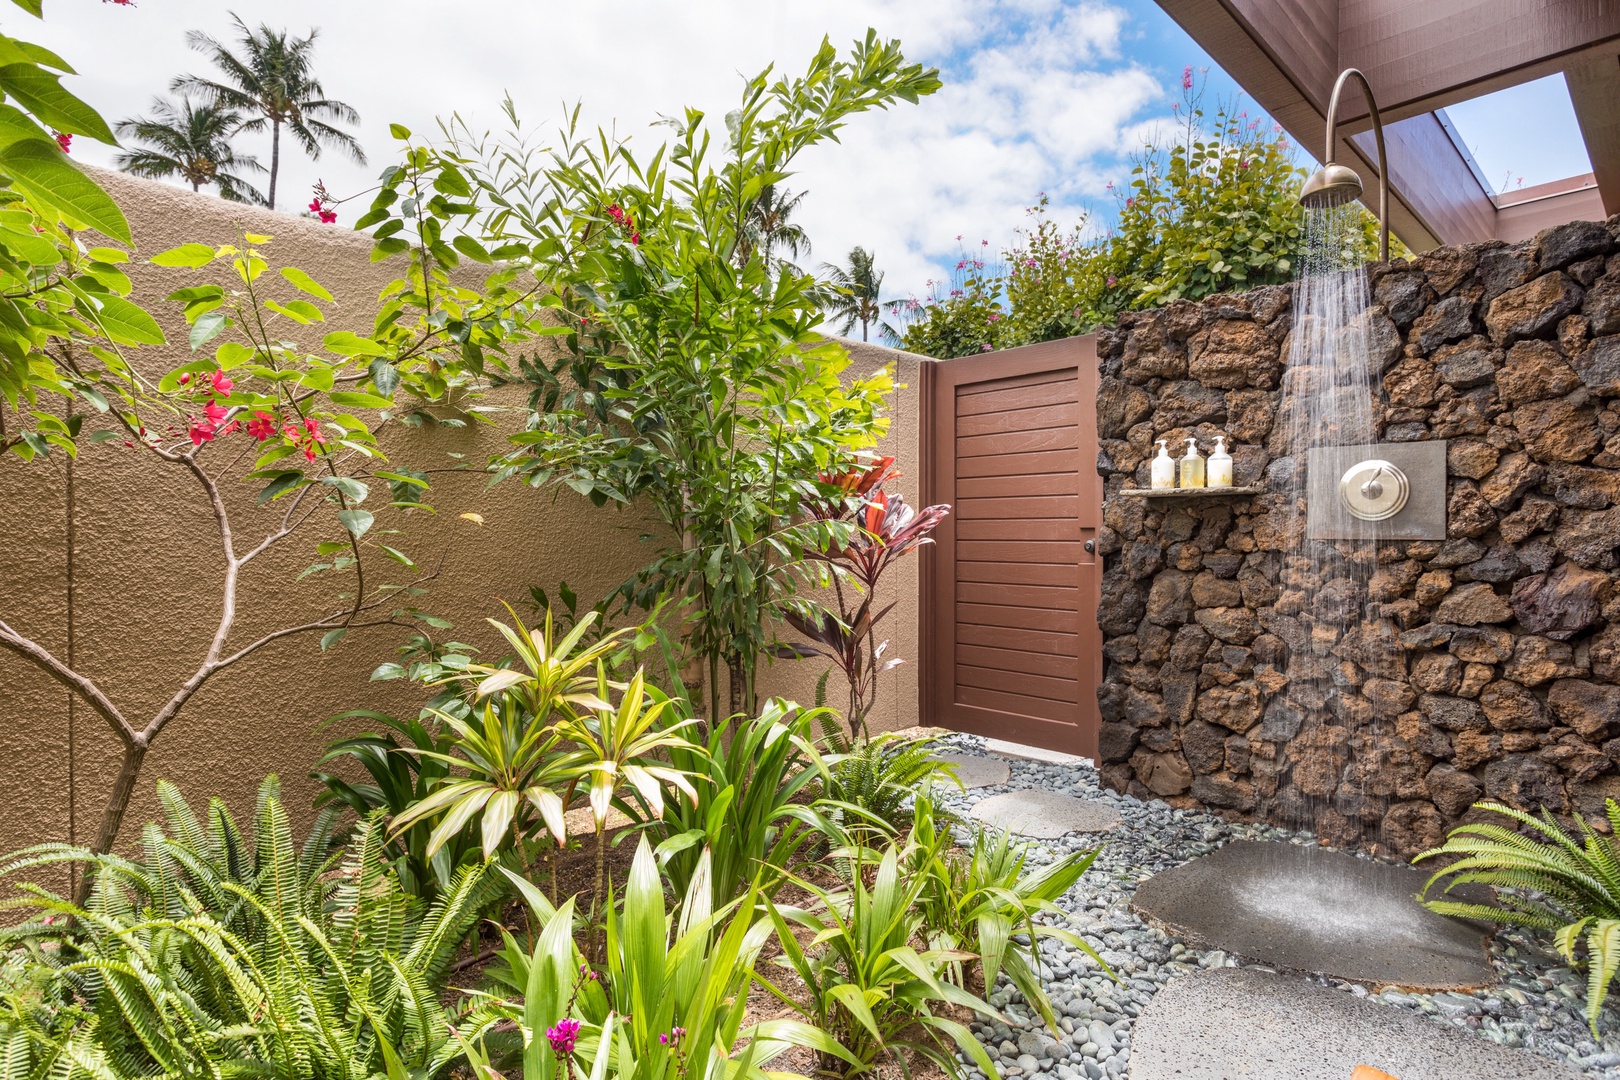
point(1307, 909)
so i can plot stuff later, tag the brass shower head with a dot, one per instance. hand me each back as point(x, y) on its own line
point(1331, 185)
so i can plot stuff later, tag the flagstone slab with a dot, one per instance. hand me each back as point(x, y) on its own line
point(1046, 815)
point(976, 770)
point(1313, 910)
point(1243, 1024)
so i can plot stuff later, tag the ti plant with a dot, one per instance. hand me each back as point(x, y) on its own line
point(880, 529)
point(978, 901)
point(1545, 879)
point(668, 1004)
point(865, 981)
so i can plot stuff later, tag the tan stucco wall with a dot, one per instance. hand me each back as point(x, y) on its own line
point(146, 572)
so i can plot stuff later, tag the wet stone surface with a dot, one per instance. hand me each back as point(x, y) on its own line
point(1322, 912)
point(1536, 1004)
point(1046, 815)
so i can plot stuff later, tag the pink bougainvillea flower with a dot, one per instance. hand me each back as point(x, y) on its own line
point(262, 426)
point(222, 385)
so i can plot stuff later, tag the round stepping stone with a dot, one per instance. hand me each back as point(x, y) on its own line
point(1046, 815)
point(1309, 909)
point(975, 770)
point(1243, 1024)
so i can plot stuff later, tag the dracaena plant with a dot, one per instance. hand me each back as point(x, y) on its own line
point(884, 529)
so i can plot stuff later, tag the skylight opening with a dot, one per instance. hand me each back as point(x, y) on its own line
point(1522, 136)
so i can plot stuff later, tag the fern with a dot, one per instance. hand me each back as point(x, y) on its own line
point(218, 955)
point(871, 781)
point(1547, 880)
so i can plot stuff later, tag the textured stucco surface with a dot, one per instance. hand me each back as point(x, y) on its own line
point(146, 572)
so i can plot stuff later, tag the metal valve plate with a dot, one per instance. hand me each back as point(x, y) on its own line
point(1374, 490)
point(1377, 491)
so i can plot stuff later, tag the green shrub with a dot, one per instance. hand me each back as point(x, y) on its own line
point(668, 1004)
point(218, 956)
point(977, 902)
point(865, 982)
point(749, 820)
point(404, 771)
point(1545, 880)
point(869, 782)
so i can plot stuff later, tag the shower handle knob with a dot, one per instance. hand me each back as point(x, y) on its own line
point(1374, 490)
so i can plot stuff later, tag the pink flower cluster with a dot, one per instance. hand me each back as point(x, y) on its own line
point(563, 1035)
point(214, 412)
point(264, 425)
point(625, 222)
point(321, 205)
point(64, 140)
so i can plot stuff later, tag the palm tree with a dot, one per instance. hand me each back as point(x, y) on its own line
point(769, 225)
point(272, 81)
point(192, 142)
point(852, 295)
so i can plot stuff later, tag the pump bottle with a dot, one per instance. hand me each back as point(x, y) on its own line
point(1164, 467)
point(1220, 465)
point(1192, 467)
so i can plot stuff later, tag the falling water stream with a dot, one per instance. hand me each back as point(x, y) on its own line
point(1337, 639)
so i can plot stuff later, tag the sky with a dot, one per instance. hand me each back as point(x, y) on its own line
point(1040, 96)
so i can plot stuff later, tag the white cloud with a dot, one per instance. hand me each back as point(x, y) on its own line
point(1038, 96)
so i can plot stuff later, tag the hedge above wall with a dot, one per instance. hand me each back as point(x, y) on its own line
point(1490, 661)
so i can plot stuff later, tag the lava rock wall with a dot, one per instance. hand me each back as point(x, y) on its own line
point(1490, 665)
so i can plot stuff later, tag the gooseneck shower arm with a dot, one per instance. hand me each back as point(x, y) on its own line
point(1334, 184)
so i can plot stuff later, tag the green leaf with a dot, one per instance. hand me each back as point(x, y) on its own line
point(358, 522)
point(299, 311)
point(127, 323)
point(282, 483)
point(385, 672)
point(232, 354)
point(348, 343)
point(399, 131)
point(207, 326)
point(41, 93)
point(46, 176)
point(352, 489)
point(332, 637)
point(305, 284)
point(384, 376)
point(186, 255)
point(355, 399)
point(471, 248)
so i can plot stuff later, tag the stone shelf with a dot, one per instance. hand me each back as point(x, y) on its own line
point(1192, 493)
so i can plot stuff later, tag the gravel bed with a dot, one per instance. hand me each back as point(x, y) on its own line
point(1537, 1005)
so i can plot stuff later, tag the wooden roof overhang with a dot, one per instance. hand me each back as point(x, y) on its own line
point(1420, 56)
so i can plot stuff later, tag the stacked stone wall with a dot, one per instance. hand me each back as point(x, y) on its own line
point(1489, 663)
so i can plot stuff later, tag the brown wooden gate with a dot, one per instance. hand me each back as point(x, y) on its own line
point(1011, 648)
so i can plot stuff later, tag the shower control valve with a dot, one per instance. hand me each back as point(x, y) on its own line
point(1374, 490)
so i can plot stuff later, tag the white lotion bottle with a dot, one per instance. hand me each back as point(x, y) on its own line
point(1164, 467)
point(1220, 465)
point(1192, 467)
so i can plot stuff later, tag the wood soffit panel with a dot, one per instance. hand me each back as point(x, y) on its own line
point(1419, 55)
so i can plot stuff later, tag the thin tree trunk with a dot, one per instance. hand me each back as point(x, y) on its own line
point(113, 816)
point(599, 918)
point(275, 158)
point(737, 673)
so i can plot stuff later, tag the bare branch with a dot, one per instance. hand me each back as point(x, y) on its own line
point(42, 658)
